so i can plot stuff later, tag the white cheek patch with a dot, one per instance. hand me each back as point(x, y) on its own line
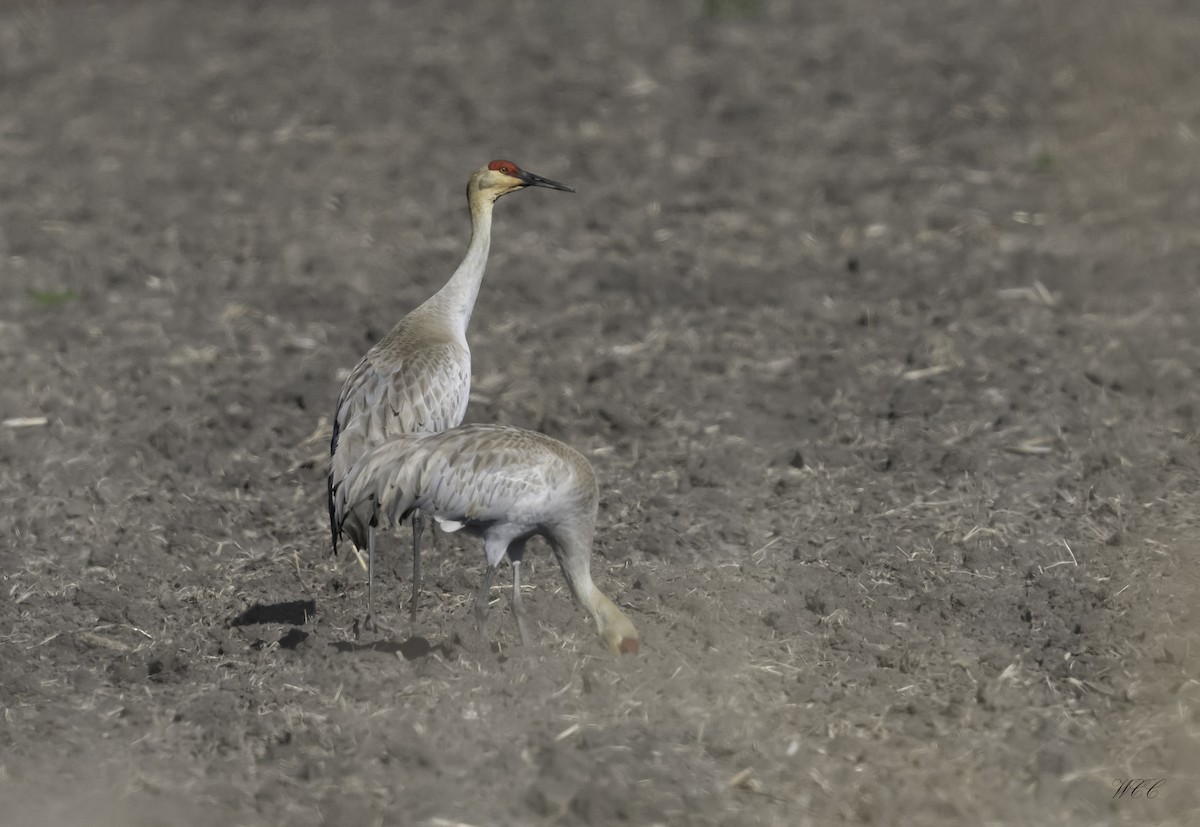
point(449, 526)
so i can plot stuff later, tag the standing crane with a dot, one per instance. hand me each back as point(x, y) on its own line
point(417, 379)
point(497, 482)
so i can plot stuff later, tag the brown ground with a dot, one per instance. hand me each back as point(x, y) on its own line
point(877, 320)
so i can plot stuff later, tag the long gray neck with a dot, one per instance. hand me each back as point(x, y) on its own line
point(456, 300)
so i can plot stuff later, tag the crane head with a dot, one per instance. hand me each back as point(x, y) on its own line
point(616, 630)
point(502, 177)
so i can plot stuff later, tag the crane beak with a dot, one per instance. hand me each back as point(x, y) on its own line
point(531, 180)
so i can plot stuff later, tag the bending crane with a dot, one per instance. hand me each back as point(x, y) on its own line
point(417, 379)
point(500, 483)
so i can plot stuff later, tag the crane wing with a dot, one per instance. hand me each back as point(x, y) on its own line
point(471, 475)
point(426, 391)
point(478, 474)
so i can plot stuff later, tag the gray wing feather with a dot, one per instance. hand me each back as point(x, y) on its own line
point(488, 473)
point(379, 489)
point(473, 474)
point(425, 392)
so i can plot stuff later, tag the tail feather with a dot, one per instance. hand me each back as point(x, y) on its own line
point(400, 489)
point(333, 521)
point(381, 489)
point(335, 532)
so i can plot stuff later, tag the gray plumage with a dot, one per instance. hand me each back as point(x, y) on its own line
point(500, 483)
point(417, 379)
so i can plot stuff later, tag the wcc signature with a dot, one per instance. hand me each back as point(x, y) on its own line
point(1138, 787)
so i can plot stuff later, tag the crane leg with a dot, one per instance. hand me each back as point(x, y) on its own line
point(518, 605)
point(418, 524)
point(483, 597)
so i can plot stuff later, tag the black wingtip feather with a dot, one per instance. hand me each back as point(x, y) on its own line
point(333, 526)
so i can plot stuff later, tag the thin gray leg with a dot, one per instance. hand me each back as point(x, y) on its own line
point(418, 523)
point(518, 605)
point(482, 599)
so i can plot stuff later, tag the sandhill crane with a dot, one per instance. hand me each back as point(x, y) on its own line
point(497, 482)
point(417, 379)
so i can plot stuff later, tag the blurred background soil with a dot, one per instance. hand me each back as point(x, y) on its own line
point(877, 321)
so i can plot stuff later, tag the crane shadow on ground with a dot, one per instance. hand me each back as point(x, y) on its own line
point(411, 649)
point(291, 612)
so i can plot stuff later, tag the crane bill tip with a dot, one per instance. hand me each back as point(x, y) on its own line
point(629, 646)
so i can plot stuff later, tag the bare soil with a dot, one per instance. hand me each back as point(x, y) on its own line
point(877, 320)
